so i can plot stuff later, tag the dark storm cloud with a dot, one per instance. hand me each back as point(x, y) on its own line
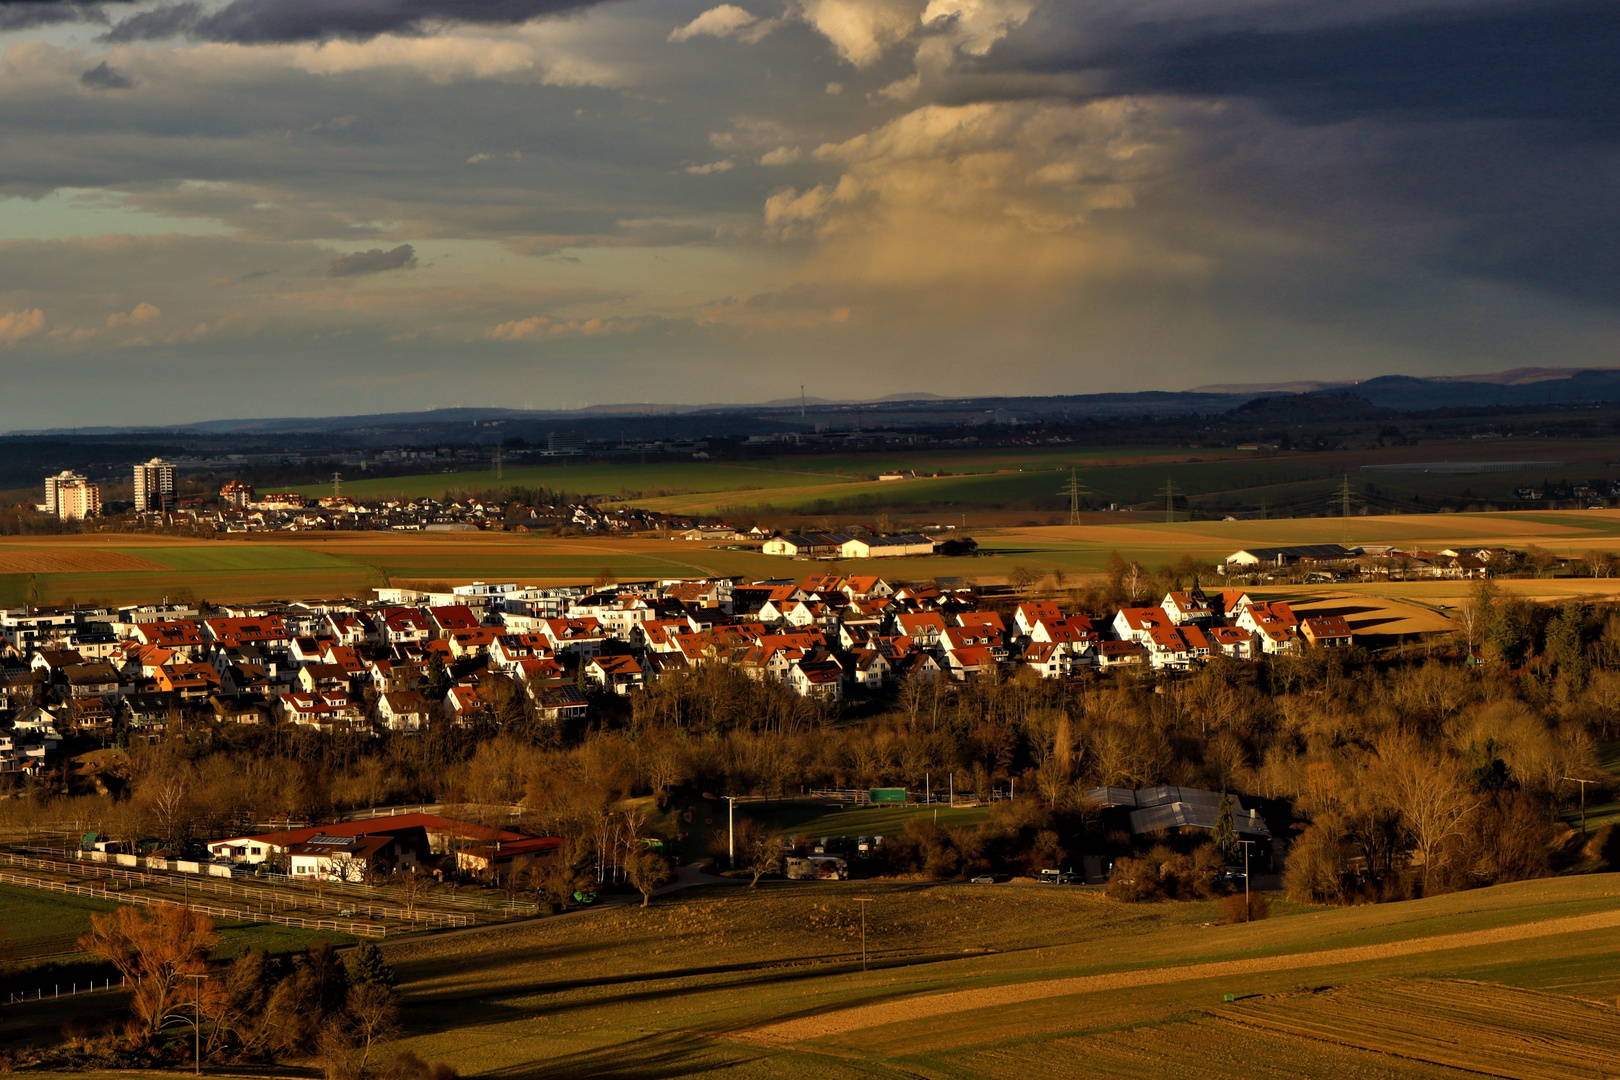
point(374, 261)
point(259, 21)
point(1552, 61)
point(1493, 123)
point(1547, 60)
point(105, 77)
point(22, 14)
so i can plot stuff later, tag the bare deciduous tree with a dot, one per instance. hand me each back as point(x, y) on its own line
point(155, 950)
point(1431, 793)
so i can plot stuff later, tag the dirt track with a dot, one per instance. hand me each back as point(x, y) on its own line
point(921, 1008)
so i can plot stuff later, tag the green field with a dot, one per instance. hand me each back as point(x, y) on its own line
point(40, 925)
point(740, 983)
point(44, 927)
point(1026, 479)
point(212, 558)
point(670, 478)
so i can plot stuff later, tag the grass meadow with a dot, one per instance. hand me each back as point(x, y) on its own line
point(715, 982)
point(1022, 479)
point(970, 981)
point(45, 927)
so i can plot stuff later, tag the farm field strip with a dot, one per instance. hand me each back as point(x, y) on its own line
point(1449, 1022)
point(676, 988)
point(934, 1005)
point(294, 565)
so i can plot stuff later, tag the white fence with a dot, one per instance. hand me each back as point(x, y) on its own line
point(247, 892)
point(74, 990)
point(342, 926)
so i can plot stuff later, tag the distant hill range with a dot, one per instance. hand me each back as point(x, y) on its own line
point(1260, 402)
point(1407, 394)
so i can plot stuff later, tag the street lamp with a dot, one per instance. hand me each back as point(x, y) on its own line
point(1583, 783)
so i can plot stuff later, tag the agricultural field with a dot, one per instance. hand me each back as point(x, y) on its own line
point(985, 981)
point(1024, 482)
point(125, 568)
point(764, 477)
point(41, 925)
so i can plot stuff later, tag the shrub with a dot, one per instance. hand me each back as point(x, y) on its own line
point(1237, 908)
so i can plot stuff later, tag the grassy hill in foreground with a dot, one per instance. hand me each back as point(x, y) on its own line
point(727, 981)
point(972, 981)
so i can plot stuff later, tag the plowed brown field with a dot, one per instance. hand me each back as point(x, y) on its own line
point(68, 560)
point(1510, 1031)
point(810, 1028)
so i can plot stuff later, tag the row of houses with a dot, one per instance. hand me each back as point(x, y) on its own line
point(400, 661)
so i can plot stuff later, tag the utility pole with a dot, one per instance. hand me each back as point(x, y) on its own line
point(1344, 494)
point(863, 901)
point(1248, 912)
point(1583, 784)
point(1169, 500)
point(1073, 490)
point(196, 1020)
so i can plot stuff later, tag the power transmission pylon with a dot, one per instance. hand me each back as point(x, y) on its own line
point(1073, 490)
point(1344, 493)
point(337, 484)
point(1169, 500)
point(498, 472)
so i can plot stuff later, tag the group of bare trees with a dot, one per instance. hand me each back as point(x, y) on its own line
point(311, 1006)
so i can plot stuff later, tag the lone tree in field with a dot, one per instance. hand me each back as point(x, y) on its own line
point(759, 849)
point(155, 951)
point(646, 870)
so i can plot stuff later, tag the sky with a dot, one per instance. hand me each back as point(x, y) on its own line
point(236, 208)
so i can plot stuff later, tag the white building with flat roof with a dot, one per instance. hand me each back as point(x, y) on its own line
point(154, 486)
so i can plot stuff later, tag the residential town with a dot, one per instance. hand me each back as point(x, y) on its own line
point(485, 653)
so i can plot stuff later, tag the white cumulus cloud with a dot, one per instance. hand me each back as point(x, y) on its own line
point(727, 20)
point(15, 326)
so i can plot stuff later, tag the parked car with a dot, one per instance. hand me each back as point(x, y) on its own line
point(982, 879)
